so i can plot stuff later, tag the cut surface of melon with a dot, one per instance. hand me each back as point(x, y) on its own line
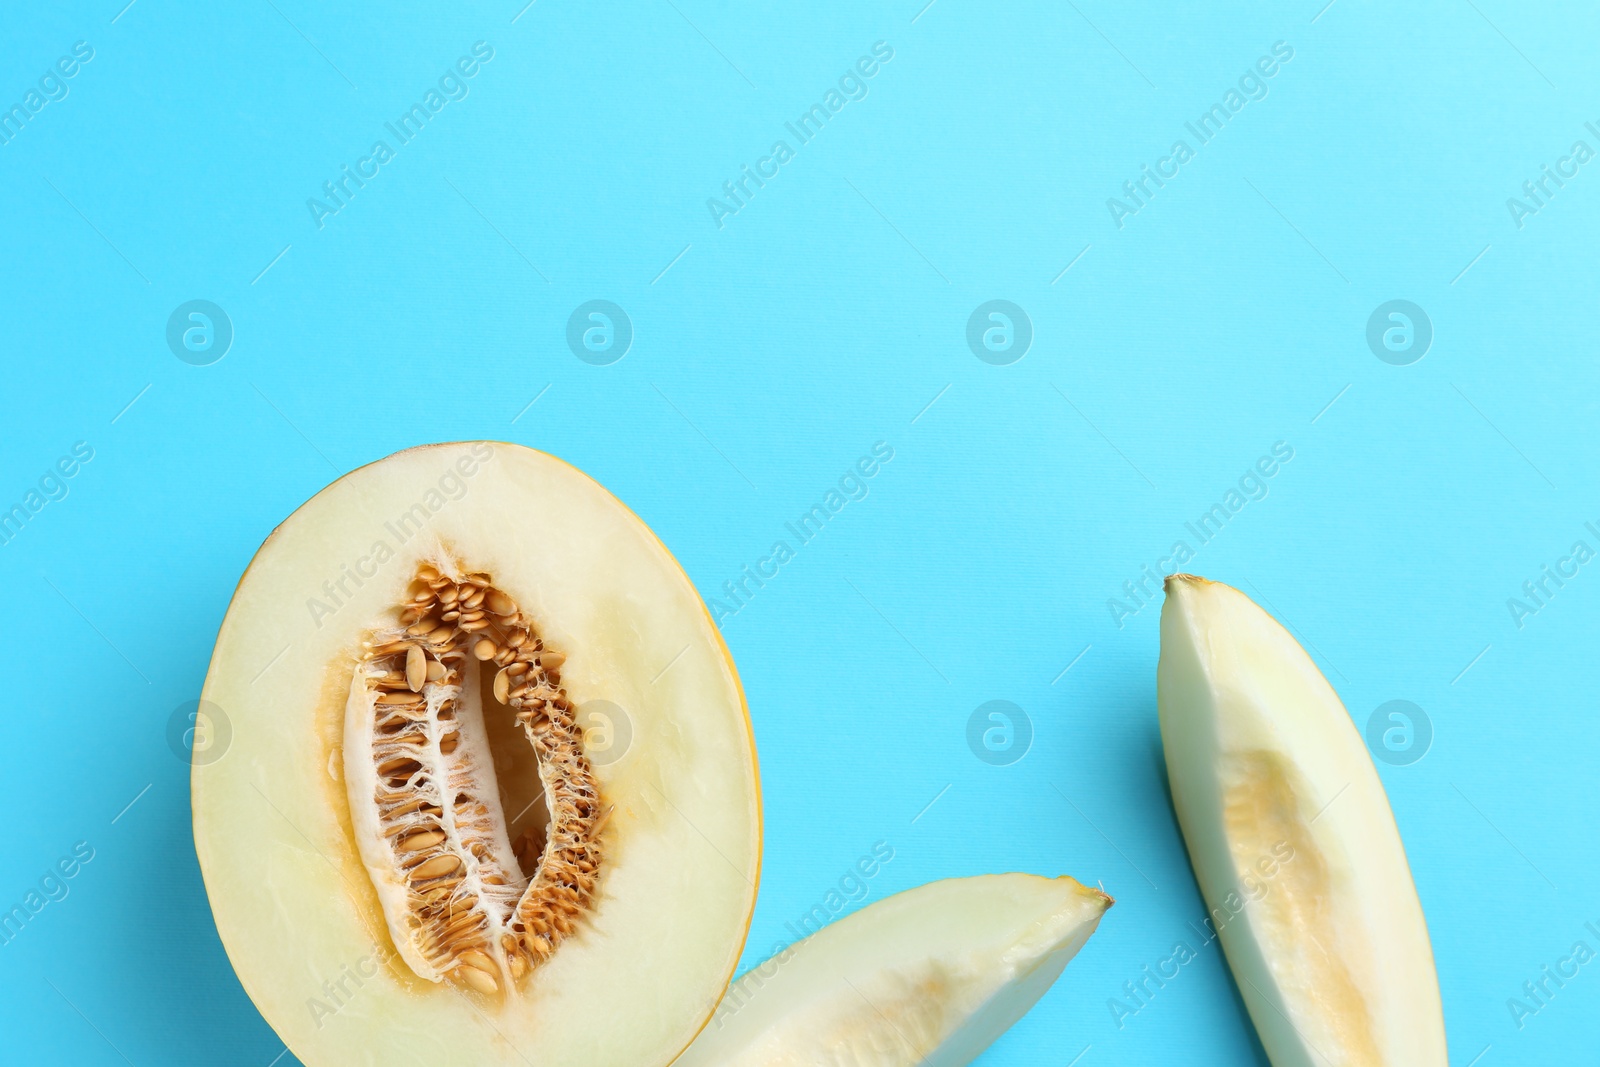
point(931, 977)
point(491, 793)
point(1292, 841)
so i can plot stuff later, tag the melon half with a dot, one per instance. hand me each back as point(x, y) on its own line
point(482, 787)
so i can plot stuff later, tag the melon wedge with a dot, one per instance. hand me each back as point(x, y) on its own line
point(930, 976)
point(1292, 841)
point(490, 794)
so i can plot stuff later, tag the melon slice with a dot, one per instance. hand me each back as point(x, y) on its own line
point(929, 977)
point(1292, 841)
point(491, 793)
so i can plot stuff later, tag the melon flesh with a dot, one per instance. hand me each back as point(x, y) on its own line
point(1292, 841)
point(931, 977)
point(282, 855)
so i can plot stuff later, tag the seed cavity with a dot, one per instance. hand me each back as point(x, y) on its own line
point(461, 902)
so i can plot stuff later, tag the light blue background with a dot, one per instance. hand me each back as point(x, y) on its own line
point(828, 314)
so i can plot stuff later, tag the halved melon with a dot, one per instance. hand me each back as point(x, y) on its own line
point(1292, 841)
point(491, 795)
point(926, 978)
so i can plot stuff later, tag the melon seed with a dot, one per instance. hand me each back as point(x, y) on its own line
point(422, 840)
point(473, 958)
point(483, 983)
point(436, 867)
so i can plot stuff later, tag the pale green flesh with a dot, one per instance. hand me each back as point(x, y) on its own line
point(928, 977)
